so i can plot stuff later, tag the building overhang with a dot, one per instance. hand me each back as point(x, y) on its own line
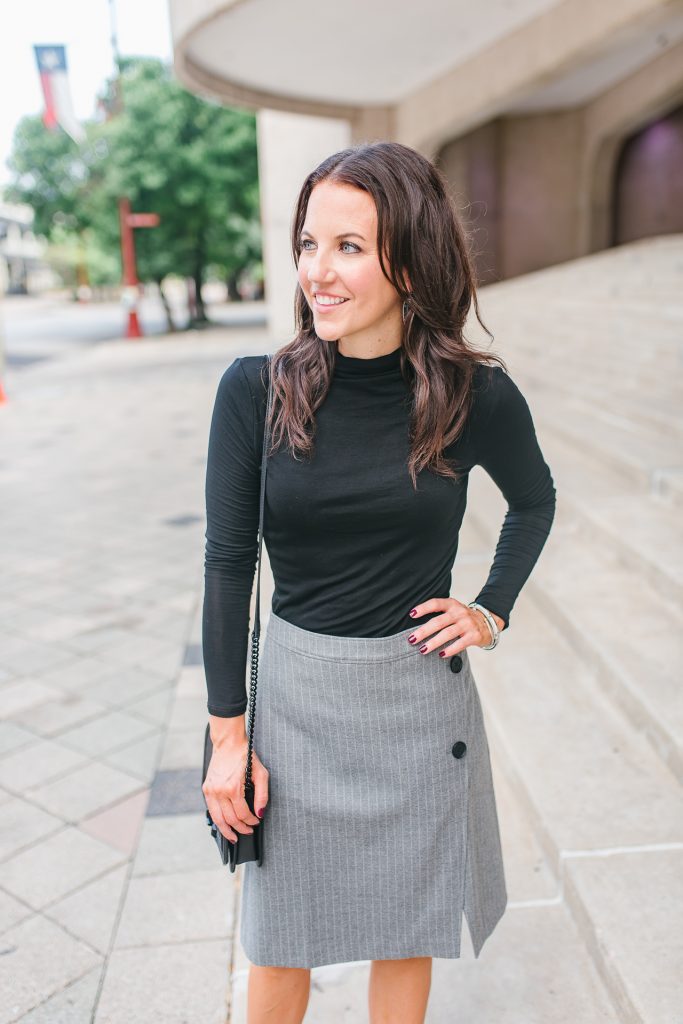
point(407, 62)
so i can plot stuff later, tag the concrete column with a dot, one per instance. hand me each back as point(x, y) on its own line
point(290, 146)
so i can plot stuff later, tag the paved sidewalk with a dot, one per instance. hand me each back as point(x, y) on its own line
point(114, 908)
point(112, 899)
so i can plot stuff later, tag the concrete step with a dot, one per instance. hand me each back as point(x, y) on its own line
point(643, 529)
point(598, 344)
point(600, 801)
point(622, 902)
point(613, 617)
point(669, 485)
point(655, 409)
point(597, 354)
point(645, 534)
point(630, 448)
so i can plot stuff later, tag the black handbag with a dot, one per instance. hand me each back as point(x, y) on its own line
point(246, 847)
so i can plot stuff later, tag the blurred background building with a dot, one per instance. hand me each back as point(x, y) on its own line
point(558, 125)
point(22, 264)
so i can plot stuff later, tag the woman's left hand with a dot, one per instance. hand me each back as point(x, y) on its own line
point(457, 626)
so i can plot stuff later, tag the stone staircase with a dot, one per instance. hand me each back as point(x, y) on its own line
point(584, 706)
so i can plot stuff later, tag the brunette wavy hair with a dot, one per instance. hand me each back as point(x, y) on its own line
point(418, 231)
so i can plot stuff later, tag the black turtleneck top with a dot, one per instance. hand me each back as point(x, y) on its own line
point(353, 547)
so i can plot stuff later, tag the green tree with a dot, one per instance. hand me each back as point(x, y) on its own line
point(49, 173)
point(53, 175)
point(192, 161)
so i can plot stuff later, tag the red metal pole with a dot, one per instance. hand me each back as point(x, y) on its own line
point(130, 277)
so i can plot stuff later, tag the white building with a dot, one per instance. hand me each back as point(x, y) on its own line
point(22, 254)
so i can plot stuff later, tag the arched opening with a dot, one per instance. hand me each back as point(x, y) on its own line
point(647, 197)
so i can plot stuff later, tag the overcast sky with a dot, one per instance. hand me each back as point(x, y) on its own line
point(84, 27)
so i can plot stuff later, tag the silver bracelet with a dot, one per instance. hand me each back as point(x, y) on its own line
point(491, 622)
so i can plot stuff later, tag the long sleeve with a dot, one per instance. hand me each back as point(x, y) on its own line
point(509, 452)
point(232, 508)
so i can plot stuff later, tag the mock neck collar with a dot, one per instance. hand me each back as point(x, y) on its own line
point(353, 366)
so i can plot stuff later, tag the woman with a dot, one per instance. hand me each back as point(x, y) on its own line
point(370, 755)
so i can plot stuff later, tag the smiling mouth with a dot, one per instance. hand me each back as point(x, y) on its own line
point(328, 305)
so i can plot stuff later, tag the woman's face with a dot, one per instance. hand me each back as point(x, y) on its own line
point(338, 257)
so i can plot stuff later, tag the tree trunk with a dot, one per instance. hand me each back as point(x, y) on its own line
point(231, 285)
point(167, 308)
point(191, 306)
point(201, 316)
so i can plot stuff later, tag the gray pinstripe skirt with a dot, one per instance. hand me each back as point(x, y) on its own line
point(381, 826)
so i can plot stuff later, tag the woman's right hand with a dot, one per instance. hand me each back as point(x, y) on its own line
point(223, 786)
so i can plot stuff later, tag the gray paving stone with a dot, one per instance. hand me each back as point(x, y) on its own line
point(189, 713)
point(181, 750)
point(180, 842)
point(21, 824)
point(163, 622)
point(177, 984)
point(13, 735)
point(22, 694)
point(127, 685)
point(98, 640)
point(34, 975)
point(120, 586)
point(37, 764)
point(138, 759)
point(60, 626)
point(177, 907)
point(90, 912)
point(79, 674)
point(74, 1005)
point(111, 730)
point(153, 708)
point(193, 655)
point(181, 601)
point(177, 792)
point(12, 911)
point(192, 683)
point(140, 651)
point(33, 656)
point(56, 866)
point(54, 716)
point(76, 599)
point(19, 625)
point(82, 792)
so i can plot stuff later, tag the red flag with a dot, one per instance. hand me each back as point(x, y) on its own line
point(51, 61)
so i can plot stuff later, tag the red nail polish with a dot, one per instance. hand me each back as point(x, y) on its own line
point(412, 639)
point(413, 612)
point(260, 812)
point(442, 654)
point(423, 648)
